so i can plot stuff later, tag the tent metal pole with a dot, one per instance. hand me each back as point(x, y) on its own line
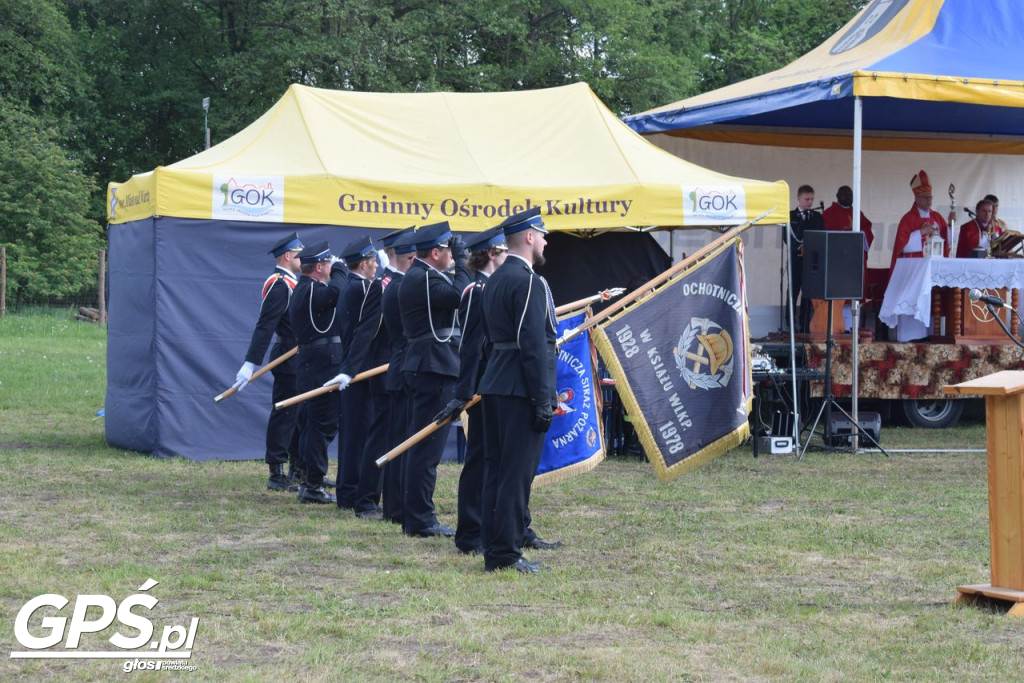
point(858, 132)
point(792, 342)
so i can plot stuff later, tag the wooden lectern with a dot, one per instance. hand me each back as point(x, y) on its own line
point(1004, 428)
point(962, 323)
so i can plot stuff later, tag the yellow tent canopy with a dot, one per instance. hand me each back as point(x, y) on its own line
point(389, 160)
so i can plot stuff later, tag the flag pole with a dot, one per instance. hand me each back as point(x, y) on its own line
point(661, 279)
point(603, 295)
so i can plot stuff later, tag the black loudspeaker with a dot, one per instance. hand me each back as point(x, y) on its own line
point(842, 428)
point(833, 264)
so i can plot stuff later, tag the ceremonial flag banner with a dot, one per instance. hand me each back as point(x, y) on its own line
point(680, 361)
point(574, 443)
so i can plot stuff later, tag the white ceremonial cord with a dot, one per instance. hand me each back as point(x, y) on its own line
point(430, 317)
point(469, 305)
point(366, 292)
point(549, 304)
point(313, 322)
point(519, 330)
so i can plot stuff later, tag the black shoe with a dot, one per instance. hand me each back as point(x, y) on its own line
point(279, 482)
point(523, 566)
point(328, 483)
point(436, 530)
point(374, 514)
point(538, 543)
point(475, 550)
point(315, 494)
point(393, 520)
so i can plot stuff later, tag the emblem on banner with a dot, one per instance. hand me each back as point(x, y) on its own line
point(704, 354)
point(565, 397)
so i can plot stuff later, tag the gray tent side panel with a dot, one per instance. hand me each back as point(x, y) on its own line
point(206, 293)
point(130, 412)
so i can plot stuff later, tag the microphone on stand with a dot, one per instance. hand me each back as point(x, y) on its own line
point(820, 208)
point(977, 295)
point(970, 213)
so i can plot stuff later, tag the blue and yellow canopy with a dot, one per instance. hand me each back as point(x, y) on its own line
point(935, 75)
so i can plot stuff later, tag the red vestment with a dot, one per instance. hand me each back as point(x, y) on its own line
point(838, 217)
point(970, 237)
point(911, 222)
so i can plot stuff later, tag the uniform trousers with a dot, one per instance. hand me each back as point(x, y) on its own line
point(354, 418)
point(428, 393)
point(393, 483)
point(471, 485)
point(512, 452)
point(282, 426)
point(320, 426)
point(378, 436)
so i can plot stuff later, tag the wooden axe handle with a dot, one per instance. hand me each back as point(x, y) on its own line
point(259, 373)
point(320, 391)
point(420, 435)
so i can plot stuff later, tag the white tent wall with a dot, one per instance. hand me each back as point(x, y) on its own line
point(886, 196)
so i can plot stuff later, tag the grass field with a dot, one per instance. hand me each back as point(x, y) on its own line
point(839, 567)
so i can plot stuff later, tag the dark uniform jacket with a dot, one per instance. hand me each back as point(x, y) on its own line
point(429, 301)
point(371, 343)
point(519, 322)
point(314, 315)
point(799, 225)
point(350, 303)
point(473, 346)
point(277, 292)
point(352, 306)
point(393, 324)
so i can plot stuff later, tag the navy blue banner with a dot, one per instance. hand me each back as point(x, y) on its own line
point(574, 443)
point(680, 360)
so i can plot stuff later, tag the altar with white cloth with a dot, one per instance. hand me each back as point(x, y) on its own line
point(911, 306)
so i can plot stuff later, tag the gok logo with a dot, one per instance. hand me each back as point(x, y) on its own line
point(713, 205)
point(175, 642)
point(249, 198)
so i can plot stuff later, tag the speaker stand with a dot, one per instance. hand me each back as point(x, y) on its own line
point(829, 403)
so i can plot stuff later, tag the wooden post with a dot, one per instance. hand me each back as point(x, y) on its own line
point(3, 281)
point(1004, 429)
point(103, 287)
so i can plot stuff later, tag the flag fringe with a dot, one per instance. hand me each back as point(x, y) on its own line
point(576, 469)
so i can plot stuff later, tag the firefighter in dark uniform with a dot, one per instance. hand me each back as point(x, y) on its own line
point(354, 274)
point(314, 315)
point(393, 491)
point(518, 389)
point(282, 432)
point(487, 252)
point(429, 302)
point(371, 347)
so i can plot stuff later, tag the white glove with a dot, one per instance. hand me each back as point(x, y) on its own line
point(341, 380)
point(335, 259)
point(383, 258)
point(244, 375)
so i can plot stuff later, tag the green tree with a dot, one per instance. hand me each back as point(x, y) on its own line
point(45, 187)
point(51, 244)
point(747, 38)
